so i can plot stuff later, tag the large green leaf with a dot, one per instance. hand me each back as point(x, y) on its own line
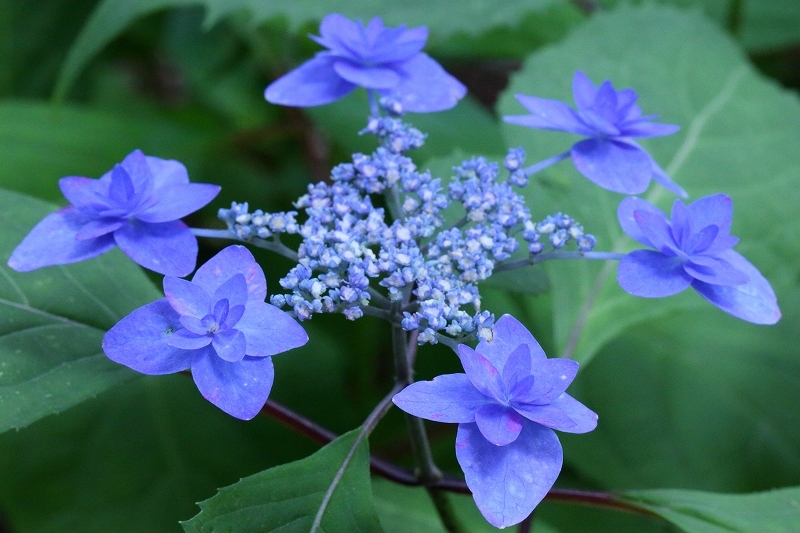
point(739, 136)
point(40, 143)
point(133, 460)
point(287, 498)
point(52, 322)
point(111, 17)
point(776, 511)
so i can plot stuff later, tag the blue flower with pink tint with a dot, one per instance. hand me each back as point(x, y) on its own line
point(389, 61)
point(611, 120)
point(693, 248)
point(136, 206)
point(506, 405)
point(219, 326)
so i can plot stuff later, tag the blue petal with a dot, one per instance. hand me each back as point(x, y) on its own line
point(714, 270)
point(186, 298)
point(645, 128)
point(312, 83)
point(583, 90)
point(85, 194)
point(186, 340)
point(240, 389)
point(548, 114)
point(369, 77)
point(166, 172)
point(98, 227)
point(177, 201)
point(657, 230)
point(141, 341)
point(652, 274)
point(230, 345)
point(232, 260)
point(507, 334)
point(481, 372)
point(551, 379)
point(701, 240)
point(168, 248)
point(565, 413)
point(517, 367)
point(234, 290)
point(625, 215)
point(138, 169)
point(53, 242)
point(508, 482)
point(753, 301)
point(425, 87)
point(613, 165)
point(499, 424)
point(448, 398)
point(269, 330)
point(714, 210)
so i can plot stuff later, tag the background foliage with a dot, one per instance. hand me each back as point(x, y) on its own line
point(689, 398)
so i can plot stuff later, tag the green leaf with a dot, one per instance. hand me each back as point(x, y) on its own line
point(739, 135)
point(111, 17)
point(52, 322)
point(40, 143)
point(133, 460)
point(287, 498)
point(762, 24)
point(776, 511)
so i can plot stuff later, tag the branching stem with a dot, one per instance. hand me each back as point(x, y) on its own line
point(551, 256)
point(273, 245)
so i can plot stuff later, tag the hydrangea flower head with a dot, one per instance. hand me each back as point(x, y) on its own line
point(693, 248)
point(219, 326)
point(136, 206)
point(611, 120)
point(506, 405)
point(387, 60)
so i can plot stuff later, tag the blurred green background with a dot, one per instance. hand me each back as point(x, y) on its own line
point(688, 397)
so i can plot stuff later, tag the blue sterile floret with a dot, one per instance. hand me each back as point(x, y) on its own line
point(431, 271)
point(506, 405)
point(386, 60)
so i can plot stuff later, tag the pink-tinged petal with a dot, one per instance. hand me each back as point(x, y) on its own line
point(230, 345)
point(98, 227)
point(508, 482)
point(449, 398)
point(269, 330)
point(177, 201)
point(141, 341)
point(240, 389)
point(517, 367)
point(613, 165)
point(368, 77)
point(315, 82)
point(507, 334)
point(548, 114)
point(234, 290)
point(187, 340)
point(232, 260)
point(652, 274)
point(657, 230)
point(551, 379)
point(168, 248)
point(167, 172)
point(644, 128)
point(583, 90)
point(565, 413)
point(753, 301)
point(53, 242)
point(85, 194)
point(186, 298)
point(425, 86)
point(715, 271)
point(481, 372)
point(499, 424)
point(135, 164)
point(716, 209)
point(625, 211)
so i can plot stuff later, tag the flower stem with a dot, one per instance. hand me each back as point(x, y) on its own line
point(550, 256)
point(273, 245)
point(538, 167)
